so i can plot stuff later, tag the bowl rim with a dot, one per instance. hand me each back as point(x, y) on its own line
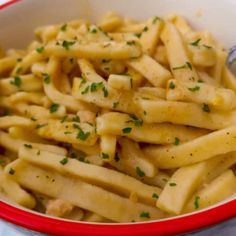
point(171, 226)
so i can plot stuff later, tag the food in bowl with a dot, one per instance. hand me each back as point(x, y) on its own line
point(122, 121)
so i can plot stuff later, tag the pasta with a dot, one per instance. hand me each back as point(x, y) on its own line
point(122, 121)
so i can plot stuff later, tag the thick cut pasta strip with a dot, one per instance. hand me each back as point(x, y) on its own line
point(199, 149)
point(180, 187)
point(70, 132)
point(27, 83)
point(185, 114)
point(106, 50)
point(7, 63)
point(157, 76)
point(81, 194)
point(103, 95)
point(147, 93)
point(110, 179)
point(180, 63)
point(219, 189)
point(13, 145)
point(8, 121)
point(110, 22)
point(220, 98)
point(115, 123)
point(28, 97)
point(13, 191)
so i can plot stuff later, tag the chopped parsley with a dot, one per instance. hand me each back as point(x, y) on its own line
point(155, 19)
point(86, 90)
point(205, 108)
point(177, 141)
point(17, 81)
point(83, 81)
point(135, 120)
point(145, 29)
point(194, 89)
point(19, 70)
point(40, 126)
point(196, 43)
point(105, 155)
point(82, 136)
point(206, 46)
point(40, 49)
point(76, 118)
point(154, 195)
point(140, 172)
point(138, 35)
point(63, 27)
point(93, 31)
point(95, 86)
point(130, 43)
point(28, 145)
point(46, 78)
point(196, 202)
point(145, 215)
point(187, 65)
point(127, 130)
point(54, 107)
point(172, 184)
point(67, 132)
point(11, 171)
point(64, 161)
point(67, 44)
point(105, 92)
point(115, 105)
point(64, 118)
point(172, 85)
point(33, 119)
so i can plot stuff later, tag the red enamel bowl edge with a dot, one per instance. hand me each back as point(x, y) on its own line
point(173, 226)
point(170, 226)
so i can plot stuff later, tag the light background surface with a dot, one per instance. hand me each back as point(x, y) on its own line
point(225, 229)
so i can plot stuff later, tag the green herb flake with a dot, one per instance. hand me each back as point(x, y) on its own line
point(134, 119)
point(76, 118)
point(206, 46)
point(145, 29)
point(177, 141)
point(105, 155)
point(95, 86)
point(64, 118)
point(154, 195)
point(54, 107)
point(196, 202)
point(194, 89)
point(140, 172)
point(93, 31)
point(28, 146)
point(205, 108)
point(16, 82)
point(187, 65)
point(39, 126)
point(11, 171)
point(145, 215)
point(86, 90)
point(46, 78)
point(196, 43)
point(67, 132)
point(115, 105)
point(64, 161)
point(172, 85)
point(63, 27)
point(40, 49)
point(82, 136)
point(130, 43)
point(19, 70)
point(138, 35)
point(67, 44)
point(172, 184)
point(105, 92)
point(127, 130)
point(155, 19)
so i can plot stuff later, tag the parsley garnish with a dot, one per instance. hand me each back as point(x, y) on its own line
point(11, 171)
point(67, 44)
point(105, 155)
point(82, 136)
point(40, 126)
point(17, 81)
point(54, 107)
point(154, 195)
point(127, 130)
point(64, 118)
point(196, 43)
point(172, 184)
point(135, 120)
point(64, 161)
point(196, 202)
point(83, 81)
point(76, 118)
point(138, 35)
point(85, 90)
point(28, 145)
point(187, 65)
point(115, 105)
point(177, 141)
point(19, 70)
point(140, 172)
point(145, 215)
point(172, 85)
point(194, 89)
point(95, 86)
point(105, 92)
point(46, 78)
point(93, 31)
point(205, 108)
point(206, 46)
point(40, 49)
point(63, 27)
point(130, 43)
point(145, 29)
point(156, 18)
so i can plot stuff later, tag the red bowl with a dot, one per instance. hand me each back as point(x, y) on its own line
point(171, 226)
